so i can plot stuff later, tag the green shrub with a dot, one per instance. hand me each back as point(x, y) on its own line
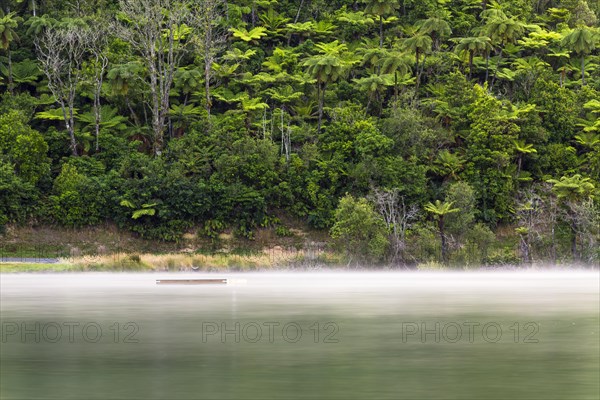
point(423, 243)
point(283, 231)
point(24, 147)
point(431, 266)
point(77, 200)
point(359, 230)
point(18, 198)
point(478, 241)
point(505, 256)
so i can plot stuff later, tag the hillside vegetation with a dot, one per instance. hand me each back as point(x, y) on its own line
point(408, 130)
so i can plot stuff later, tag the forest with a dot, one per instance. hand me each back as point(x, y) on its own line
point(407, 130)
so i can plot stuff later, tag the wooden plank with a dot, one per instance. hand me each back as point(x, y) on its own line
point(191, 281)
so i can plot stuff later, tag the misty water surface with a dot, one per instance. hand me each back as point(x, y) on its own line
point(339, 335)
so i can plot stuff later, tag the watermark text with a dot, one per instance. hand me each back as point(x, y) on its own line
point(269, 332)
point(69, 332)
point(469, 332)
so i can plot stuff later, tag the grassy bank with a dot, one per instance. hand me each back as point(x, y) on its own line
point(38, 267)
point(266, 260)
point(106, 248)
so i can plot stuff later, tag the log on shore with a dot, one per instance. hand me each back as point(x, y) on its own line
point(191, 281)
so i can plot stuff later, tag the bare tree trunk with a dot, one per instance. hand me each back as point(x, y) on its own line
point(136, 119)
point(97, 119)
point(525, 249)
point(398, 218)
point(72, 124)
point(321, 95)
point(97, 44)
point(150, 30)
point(298, 13)
point(61, 53)
point(288, 144)
point(551, 211)
point(282, 132)
point(208, 61)
point(207, 70)
point(211, 38)
point(68, 126)
point(443, 239)
point(10, 74)
point(264, 124)
point(553, 250)
point(395, 86)
point(471, 54)
point(574, 253)
point(584, 223)
point(381, 32)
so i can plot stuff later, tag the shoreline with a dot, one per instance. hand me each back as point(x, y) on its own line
point(64, 267)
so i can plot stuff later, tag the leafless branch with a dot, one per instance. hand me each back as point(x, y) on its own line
point(61, 53)
point(397, 215)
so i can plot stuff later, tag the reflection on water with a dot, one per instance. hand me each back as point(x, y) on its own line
point(492, 335)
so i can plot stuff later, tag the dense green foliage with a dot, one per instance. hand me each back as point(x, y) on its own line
point(170, 115)
point(359, 229)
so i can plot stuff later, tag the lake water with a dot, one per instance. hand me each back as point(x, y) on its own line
point(325, 335)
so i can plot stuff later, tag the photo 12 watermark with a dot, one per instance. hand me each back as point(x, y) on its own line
point(69, 332)
point(469, 332)
point(269, 332)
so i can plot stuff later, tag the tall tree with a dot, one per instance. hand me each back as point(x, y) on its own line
point(475, 45)
point(582, 41)
point(327, 67)
point(395, 62)
point(374, 85)
point(419, 44)
point(440, 210)
point(501, 30)
point(522, 149)
point(99, 63)
point(380, 8)
point(8, 24)
point(155, 29)
point(572, 191)
point(210, 38)
point(61, 53)
point(436, 26)
point(398, 217)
